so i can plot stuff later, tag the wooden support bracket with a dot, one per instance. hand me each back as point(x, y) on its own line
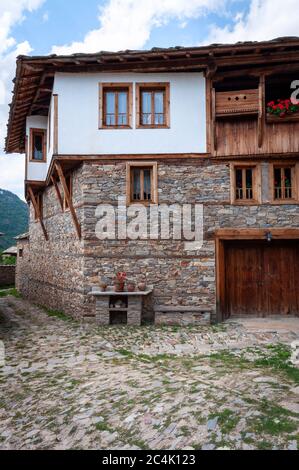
point(37, 211)
point(68, 198)
point(59, 197)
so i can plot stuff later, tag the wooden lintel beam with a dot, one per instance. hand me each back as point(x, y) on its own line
point(57, 190)
point(68, 198)
point(37, 211)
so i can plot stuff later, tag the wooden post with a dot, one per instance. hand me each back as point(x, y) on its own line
point(214, 134)
point(37, 211)
point(57, 192)
point(68, 198)
point(55, 131)
point(261, 118)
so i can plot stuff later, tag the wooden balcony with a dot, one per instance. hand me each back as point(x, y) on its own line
point(236, 103)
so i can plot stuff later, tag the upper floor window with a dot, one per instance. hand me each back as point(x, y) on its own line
point(142, 184)
point(115, 105)
point(152, 105)
point(245, 183)
point(38, 145)
point(284, 182)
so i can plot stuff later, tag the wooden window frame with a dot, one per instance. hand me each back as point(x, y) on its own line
point(256, 183)
point(43, 133)
point(115, 87)
point(153, 86)
point(295, 182)
point(70, 188)
point(154, 182)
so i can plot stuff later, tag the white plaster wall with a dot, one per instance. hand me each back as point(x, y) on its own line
point(78, 116)
point(36, 171)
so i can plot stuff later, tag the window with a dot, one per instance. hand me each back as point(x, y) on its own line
point(142, 184)
point(20, 252)
point(245, 183)
point(115, 105)
point(284, 179)
point(39, 202)
point(38, 145)
point(152, 101)
point(68, 180)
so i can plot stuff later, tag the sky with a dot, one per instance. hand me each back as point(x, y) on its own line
point(38, 27)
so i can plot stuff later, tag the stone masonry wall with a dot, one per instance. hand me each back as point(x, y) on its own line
point(179, 277)
point(7, 275)
point(62, 271)
point(52, 270)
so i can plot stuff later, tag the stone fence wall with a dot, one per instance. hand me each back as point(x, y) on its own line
point(7, 275)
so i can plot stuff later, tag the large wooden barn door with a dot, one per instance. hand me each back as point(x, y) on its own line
point(261, 278)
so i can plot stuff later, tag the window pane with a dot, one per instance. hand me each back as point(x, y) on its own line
point(136, 184)
point(277, 183)
point(288, 183)
point(38, 147)
point(146, 108)
point(122, 108)
point(239, 190)
point(249, 189)
point(159, 107)
point(147, 184)
point(110, 109)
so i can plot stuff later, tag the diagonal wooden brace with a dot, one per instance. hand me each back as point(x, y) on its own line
point(37, 211)
point(57, 191)
point(68, 198)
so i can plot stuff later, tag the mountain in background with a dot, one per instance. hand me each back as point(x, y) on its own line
point(13, 218)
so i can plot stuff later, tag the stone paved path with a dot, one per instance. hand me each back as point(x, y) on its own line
point(71, 386)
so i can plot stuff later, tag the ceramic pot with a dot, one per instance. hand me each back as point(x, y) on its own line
point(142, 286)
point(119, 286)
point(131, 286)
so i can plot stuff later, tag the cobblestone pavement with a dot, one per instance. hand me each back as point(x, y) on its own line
point(70, 386)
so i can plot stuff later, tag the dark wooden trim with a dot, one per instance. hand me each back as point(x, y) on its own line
point(57, 190)
point(37, 211)
point(68, 198)
point(154, 181)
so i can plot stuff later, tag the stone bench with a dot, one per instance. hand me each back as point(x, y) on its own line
point(181, 315)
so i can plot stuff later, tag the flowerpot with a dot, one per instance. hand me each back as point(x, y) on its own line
point(142, 286)
point(131, 286)
point(119, 286)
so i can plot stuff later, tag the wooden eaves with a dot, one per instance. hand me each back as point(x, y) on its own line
point(34, 76)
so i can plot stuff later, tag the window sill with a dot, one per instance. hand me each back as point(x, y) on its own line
point(153, 127)
point(285, 202)
point(114, 127)
point(250, 202)
point(32, 160)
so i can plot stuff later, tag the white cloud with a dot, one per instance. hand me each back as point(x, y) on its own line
point(266, 19)
point(11, 13)
point(127, 24)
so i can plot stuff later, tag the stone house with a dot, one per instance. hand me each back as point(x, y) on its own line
point(185, 126)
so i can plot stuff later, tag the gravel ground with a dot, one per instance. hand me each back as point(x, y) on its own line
point(65, 385)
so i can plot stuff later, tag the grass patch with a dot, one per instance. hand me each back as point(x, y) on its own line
point(279, 359)
point(227, 420)
point(273, 420)
point(12, 292)
point(57, 314)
